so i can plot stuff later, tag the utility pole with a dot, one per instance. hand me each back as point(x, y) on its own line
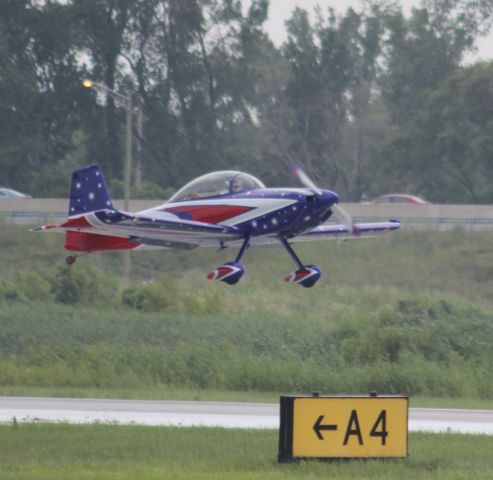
point(127, 170)
point(138, 146)
point(128, 153)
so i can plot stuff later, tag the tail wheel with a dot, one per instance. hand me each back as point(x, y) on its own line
point(70, 260)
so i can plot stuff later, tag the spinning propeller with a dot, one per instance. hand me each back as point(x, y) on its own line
point(344, 216)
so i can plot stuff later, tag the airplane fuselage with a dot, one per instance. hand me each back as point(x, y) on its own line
point(267, 211)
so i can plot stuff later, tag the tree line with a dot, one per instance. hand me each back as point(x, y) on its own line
point(368, 101)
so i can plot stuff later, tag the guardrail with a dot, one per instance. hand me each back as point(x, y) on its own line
point(431, 216)
point(438, 217)
point(31, 211)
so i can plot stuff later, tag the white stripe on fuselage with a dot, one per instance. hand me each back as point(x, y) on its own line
point(260, 207)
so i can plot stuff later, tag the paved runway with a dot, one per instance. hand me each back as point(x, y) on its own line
point(222, 414)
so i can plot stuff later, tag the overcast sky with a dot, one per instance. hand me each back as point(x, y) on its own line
point(280, 11)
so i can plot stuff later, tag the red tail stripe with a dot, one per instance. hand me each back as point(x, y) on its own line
point(90, 242)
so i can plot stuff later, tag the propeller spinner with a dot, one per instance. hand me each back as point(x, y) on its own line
point(344, 216)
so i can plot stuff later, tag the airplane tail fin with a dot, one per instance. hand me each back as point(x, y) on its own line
point(88, 191)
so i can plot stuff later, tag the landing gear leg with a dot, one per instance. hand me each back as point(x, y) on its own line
point(306, 275)
point(244, 246)
point(231, 272)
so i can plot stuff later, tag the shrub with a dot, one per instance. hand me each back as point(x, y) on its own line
point(34, 287)
point(83, 284)
point(9, 291)
point(162, 294)
point(166, 294)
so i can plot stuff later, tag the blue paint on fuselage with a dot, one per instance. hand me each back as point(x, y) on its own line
point(308, 211)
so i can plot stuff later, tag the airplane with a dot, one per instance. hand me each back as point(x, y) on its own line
point(221, 209)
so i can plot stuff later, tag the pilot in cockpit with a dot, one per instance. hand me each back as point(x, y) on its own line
point(236, 184)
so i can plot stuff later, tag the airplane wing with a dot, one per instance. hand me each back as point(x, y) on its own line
point(147, 230)
point(359, 230)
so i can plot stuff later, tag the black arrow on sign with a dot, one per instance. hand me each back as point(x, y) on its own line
point(318, 427)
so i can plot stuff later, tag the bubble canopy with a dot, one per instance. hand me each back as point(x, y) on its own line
point(215, 184)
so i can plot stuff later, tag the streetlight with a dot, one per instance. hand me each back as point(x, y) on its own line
point(127, 102)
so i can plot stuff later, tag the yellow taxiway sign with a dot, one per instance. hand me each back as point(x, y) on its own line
point(343, 427)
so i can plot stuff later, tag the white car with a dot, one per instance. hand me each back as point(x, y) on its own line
point(9, 193)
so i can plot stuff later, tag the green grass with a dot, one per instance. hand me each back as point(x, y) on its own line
point(412, 344)
point(44, 451)
point(456, 263)
point(411, 312)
